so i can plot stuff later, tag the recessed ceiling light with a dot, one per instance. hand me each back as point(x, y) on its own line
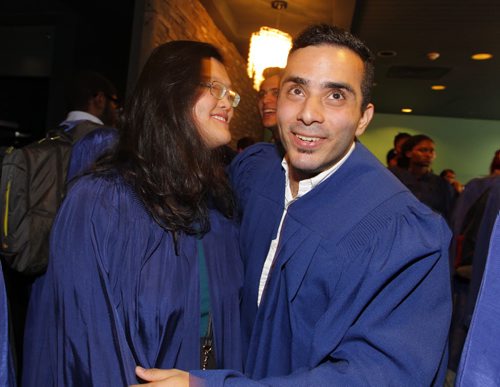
point(438, 87)
point(433, 55)
point(406, 110)
point(482, 56)
point(386, 53)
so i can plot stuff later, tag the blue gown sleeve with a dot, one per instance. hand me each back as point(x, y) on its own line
point(7, 374)
point(389, 313)
point(89, 148)
point(246, 167)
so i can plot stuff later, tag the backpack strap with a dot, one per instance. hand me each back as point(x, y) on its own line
point(82, 129)
point(72, 131)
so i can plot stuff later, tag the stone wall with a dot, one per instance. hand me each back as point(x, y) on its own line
point(166, 20)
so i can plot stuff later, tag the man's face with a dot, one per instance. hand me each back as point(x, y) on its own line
point(422, 154)
point(319, 107)
point(268, 98)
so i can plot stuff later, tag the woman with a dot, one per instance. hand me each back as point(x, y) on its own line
point(417, 156)
point(144, 255)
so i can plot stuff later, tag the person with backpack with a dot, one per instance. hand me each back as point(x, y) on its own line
point(33, 185)
point(144, 261)
point(34, 177)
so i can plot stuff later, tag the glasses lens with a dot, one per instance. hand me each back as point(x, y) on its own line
point(234, 98)
point(218, 90)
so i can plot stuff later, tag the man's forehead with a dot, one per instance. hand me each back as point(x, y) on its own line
point(313, 59)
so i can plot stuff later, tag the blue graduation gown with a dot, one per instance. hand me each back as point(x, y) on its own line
point(116, 295)
point(480, 361)
point(7, 374)
point(359, 292)
point(89, 148)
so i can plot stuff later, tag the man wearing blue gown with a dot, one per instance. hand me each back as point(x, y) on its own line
point(346, 272)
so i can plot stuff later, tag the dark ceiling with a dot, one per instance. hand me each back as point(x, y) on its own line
point(408, 28)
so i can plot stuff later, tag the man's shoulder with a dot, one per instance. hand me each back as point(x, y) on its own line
point(260, 156)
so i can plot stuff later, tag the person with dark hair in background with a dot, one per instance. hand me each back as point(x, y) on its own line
point(391, 159)
point(417, 155)
point(451, 177)
point(92, 97)
point(145, 267)
point(399, 140)
point(346, 273)
point(244, 143)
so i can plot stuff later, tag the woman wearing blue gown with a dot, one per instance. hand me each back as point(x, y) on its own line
point(144, 266)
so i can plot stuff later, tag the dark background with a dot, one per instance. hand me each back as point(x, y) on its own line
point(43, 43)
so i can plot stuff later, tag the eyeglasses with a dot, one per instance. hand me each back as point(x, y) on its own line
point(219, 91)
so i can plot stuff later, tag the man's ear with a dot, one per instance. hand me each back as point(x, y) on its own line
point(365, 119)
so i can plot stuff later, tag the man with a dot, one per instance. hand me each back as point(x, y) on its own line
point(347, 280)
point(94, 103)
point(268, 99)
point(92, 97)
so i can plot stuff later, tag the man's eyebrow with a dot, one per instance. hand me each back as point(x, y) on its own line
point(298, 80)
point(338, 85)
point(324, 85)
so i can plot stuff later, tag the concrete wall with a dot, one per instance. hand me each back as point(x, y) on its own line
point(165, 20)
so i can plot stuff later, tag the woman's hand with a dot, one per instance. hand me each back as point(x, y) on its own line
point(162, 378)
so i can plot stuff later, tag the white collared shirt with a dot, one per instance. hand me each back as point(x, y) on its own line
point(78, 115)
point(305, 186)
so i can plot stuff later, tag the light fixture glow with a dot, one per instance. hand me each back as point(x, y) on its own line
point(406, 110)
point(482, 56)
point(269, 47)
point(438, 87)
point(433, 55)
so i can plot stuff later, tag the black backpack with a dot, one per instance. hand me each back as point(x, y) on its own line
point(33, 185)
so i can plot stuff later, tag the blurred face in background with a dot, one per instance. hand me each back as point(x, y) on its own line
point(422, 154)
point(268, 100)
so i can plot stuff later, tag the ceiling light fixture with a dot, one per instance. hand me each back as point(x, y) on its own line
point(269, 47)
point(482, 56)
point(406, 110)
point(386, 53)
point(433, 55)
point(438, 87)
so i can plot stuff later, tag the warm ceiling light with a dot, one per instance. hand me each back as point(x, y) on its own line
point(433, 55)
point(268, 48)
point(482, 56)
point(386, 53)
point(438, 87)
point(406, 110)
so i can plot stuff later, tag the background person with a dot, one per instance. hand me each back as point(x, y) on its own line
point(267, 102)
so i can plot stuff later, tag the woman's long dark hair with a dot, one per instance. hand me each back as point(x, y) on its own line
point(161, 153)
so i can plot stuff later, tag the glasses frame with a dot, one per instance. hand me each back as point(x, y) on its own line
point(233, 96)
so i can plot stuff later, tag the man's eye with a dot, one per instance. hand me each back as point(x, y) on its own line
point(295, 91)
point(337, 95)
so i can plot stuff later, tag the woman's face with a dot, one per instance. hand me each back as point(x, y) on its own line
point(212, 116)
